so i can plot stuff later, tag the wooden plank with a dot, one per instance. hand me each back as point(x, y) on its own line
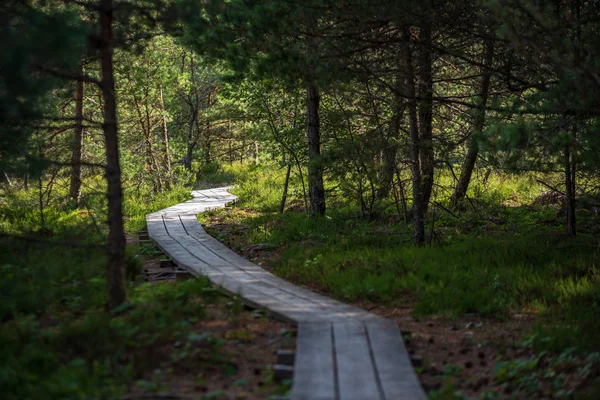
point(155, 224)
point(182, 257)
point(282, 372)
point(236, 282)
point(221, 251)
point(219, 255)
point(314, 368)
point(341, 310)
point(288, 302)
point(205, 257)
point(286, 356)
point(356, 373)
point(299, 307)
point(283, 303)
point(174, 226)
point(393, 365)
point(343, 353)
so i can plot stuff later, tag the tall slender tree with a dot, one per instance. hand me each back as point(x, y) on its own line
point(77, 145)
point(468, 165)
point(117, 293)
point(415, 141)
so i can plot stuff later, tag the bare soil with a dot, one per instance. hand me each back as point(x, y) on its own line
point(241, 368)
point(457, 354)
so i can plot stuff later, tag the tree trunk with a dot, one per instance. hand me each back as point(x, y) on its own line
point(77, 145)
point(194, 104)
point(388, 164)
point(418, 220)
point(6, 179)
point(41, 200)
point(187, 161)
point(388, 167)
point(316, 190)
point(402, 195)
point(570, 191)
point(425, 113)
point(116, 237)
point(285, 187)
point(155, 167)
point(460, 191)
point(207, 138)
point(165, 139)
point(242, 151)
point(152, 166)
point(191, 142)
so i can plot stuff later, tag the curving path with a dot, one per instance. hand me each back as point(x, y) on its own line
point(342, 352)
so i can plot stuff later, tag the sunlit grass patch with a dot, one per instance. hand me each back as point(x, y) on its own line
point(490, 258)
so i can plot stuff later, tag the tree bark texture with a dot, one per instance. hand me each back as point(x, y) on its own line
point(460, 191)
point(116, 237)
point(390, 149)
point(165, 140)
point(417, 207)
point(285, 187)
point(77, 144)
point(426, 113)
point(316, 190)
point(207, 150)
point(570, 191)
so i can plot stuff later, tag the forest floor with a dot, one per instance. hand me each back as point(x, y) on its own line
point(173, 339)
point(246, 343)
point(464, 355)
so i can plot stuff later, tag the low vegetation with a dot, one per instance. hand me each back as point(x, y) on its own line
point(59, 341)
point(428, 160)
point(503, 255)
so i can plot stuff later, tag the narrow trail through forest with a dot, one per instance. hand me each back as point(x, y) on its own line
point(343, 352)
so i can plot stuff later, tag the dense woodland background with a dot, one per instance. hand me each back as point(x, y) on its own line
point(437, 154)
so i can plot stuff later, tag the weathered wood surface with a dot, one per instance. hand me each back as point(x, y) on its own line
point(343, 352)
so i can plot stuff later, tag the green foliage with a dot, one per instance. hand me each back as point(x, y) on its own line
point(498, 254)
point(215, 174)
point(259, 186)
point(24, 91)
point(493, 276)
point(503, 257)
point(36, 277)
point(57, 356)
point(57, 339)
point(136, 210)
point(545, 370)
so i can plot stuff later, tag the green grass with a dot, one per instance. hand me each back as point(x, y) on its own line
point(57, 341)
point(492, 259)
point(136, 210)
point(258, 186)
point(60, 355)
point(20, 213)
point(214, 175)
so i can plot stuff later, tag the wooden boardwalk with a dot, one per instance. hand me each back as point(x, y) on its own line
point(342, 353)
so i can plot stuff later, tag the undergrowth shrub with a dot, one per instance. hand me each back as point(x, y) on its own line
point(498, 255)
point(57, 341)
